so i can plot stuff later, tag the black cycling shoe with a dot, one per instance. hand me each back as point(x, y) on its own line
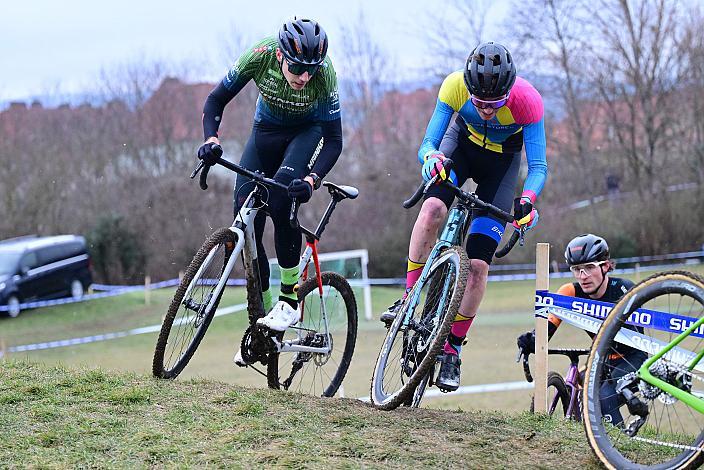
point(449, 376)
point(389, 315)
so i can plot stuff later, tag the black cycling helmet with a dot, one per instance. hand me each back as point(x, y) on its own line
point(586, 249)
point(490, 71)
point(303, 41)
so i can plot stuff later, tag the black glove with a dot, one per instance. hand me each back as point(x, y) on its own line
point(300, 190)
point(521, 207)
point(526, 342)
point(209, 152)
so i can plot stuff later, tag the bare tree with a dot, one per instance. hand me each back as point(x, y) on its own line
point(452, 30)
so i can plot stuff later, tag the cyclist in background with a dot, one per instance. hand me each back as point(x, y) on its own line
point(497, 113)
point(588, 258)
point(296, 139)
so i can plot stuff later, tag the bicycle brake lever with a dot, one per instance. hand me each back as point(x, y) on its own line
point(293, 216)
point(198, 167)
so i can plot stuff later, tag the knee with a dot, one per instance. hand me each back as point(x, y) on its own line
point(478, 273)
point(432, 213)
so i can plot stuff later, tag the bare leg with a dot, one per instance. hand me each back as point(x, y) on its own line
point(476, 285)
point(473, 294)
point(425, 230)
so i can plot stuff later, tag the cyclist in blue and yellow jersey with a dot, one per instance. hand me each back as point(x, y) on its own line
point(296, 139)
point(497, 114)
point(589, 260)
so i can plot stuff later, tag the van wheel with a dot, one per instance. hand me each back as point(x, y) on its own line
point(13, 305)
point(76, 289)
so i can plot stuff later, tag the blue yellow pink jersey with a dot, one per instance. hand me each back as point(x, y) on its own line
point(518, 122)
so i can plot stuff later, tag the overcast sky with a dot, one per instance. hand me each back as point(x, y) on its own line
point(49, 46)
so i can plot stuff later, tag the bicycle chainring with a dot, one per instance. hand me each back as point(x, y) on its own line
point(254, 346)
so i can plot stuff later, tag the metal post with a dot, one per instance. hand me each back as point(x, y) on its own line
point(542, 282)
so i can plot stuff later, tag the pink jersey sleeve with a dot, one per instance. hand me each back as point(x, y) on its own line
point(525, 103)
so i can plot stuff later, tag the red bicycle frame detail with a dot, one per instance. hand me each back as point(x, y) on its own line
point(314, 248)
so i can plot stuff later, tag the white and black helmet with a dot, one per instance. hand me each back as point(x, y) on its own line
point(303, 41)
point(586, 248)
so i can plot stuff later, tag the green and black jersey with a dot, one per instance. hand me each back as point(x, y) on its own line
point(278, 103)
point(280, 106)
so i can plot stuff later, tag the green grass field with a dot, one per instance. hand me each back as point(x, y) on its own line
point(489, 357)
point(56, 417)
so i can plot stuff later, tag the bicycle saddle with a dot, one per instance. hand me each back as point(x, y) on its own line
point(347, 191)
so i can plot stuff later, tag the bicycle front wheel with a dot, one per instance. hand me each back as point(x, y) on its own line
point(193, 306)
point(630, 423)
point(558, 396)
point(329, 322)
point(418, 333)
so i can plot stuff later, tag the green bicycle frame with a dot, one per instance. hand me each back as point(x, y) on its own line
point(686, 397)
point(452, 235)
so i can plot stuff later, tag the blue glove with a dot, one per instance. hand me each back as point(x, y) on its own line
point(435, 165)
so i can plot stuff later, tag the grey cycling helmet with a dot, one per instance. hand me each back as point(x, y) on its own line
point(490, 71)
point(586, 249)
point(303, 41)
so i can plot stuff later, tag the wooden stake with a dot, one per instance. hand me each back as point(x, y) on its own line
point(147, 290)
point(542, 282)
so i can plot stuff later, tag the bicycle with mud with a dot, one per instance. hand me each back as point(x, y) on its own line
point(310, 357)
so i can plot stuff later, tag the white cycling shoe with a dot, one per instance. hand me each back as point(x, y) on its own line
point(280, 317)
point(239, 360)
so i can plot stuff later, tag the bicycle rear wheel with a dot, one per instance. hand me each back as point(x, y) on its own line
point(558, 396)
point(418, 333)
point(329, 320)
point(193, 306)
point(658, 430)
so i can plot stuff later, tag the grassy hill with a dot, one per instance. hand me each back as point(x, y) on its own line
point(61, 417)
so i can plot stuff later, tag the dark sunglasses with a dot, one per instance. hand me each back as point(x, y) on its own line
point(300, 69)
point(483, 104)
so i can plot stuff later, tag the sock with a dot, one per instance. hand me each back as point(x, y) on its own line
point(453, 345)
point(458, 333)
point(267, 300)
point(289, 277)
point(413, 272)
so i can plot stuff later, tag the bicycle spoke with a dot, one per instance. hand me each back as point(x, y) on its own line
point(320, 373)
point(414, 339)
point(671, 429)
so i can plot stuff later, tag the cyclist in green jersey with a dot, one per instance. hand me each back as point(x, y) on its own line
point(296, 139)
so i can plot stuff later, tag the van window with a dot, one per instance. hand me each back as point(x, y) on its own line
point(29, 261)
point(75, 249)
point(51, 254)
point(8, 262)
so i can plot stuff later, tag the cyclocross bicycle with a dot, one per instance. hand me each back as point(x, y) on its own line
point(563, 392)
point(661, 401)
point(312, 356)
point(407, 362)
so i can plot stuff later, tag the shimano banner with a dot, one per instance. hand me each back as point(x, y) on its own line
point(587, 310)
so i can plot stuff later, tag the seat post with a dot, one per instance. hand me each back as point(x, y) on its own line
point(326, 216)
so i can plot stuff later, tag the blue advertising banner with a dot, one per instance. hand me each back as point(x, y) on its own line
point(588, 309)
